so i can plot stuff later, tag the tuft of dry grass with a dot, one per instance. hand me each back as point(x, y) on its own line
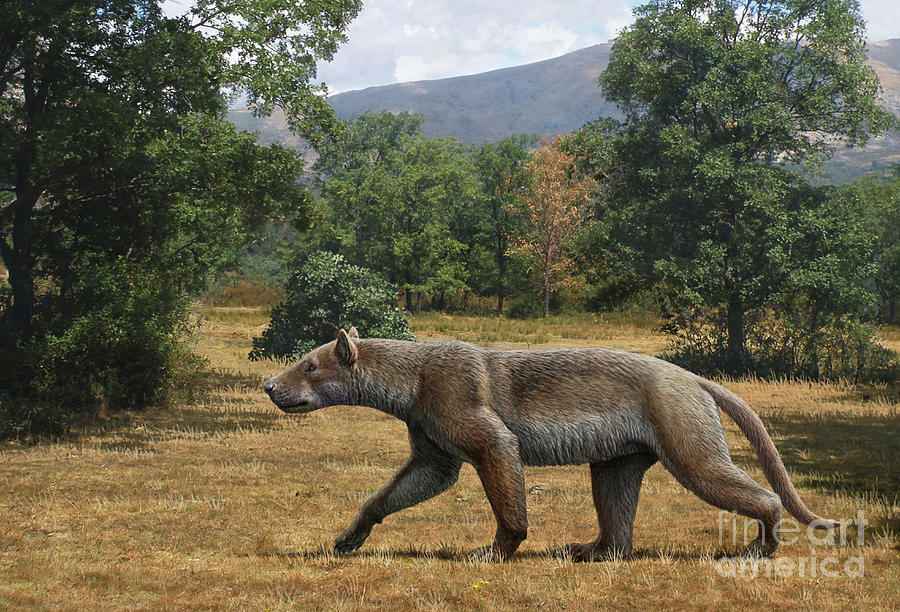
point(227, 503)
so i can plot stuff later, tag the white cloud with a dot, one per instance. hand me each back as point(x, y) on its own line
point(402, 40)
point(176, 8)
point(882, 18)
point(398, 40)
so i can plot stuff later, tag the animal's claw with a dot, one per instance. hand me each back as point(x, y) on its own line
point(348, 542)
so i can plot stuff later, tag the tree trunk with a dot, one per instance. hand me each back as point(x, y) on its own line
point(18, 256)
point(19, 262)
point(442, 301)
point(892, 311)
point(734, 358)
point(546, 293)
point(501, 267)
point(735, 363)
point(418, 301)
point(21, 280)
point(408, 300)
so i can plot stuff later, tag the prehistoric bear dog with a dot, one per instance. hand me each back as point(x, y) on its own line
point(499, 410)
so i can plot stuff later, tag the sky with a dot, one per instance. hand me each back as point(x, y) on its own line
point(393, 41)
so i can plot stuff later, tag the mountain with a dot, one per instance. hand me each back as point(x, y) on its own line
point(555, 96)
point(551, 97)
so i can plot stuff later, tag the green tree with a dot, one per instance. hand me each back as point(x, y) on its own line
point(354, 173)
point(366, 141)
point(117, 169)
point(85, 85)
point(394, 200)
point(810, 307)
point(501, 170)
point(272, 48)
point(611, 266)
point(715, 94)
point(429, 180)
point(880, 198)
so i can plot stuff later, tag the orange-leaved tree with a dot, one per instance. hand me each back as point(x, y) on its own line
point(557, 203)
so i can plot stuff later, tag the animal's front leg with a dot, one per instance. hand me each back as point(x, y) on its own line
point(500, 470)
point(420, 478)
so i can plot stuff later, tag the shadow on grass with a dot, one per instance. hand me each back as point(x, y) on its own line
point(138, 431)
point(863, 392)
point(857, 455)
point(208, 413)
point(213, 379)
point(452, 553)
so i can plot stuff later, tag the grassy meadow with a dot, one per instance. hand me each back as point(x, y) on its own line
point(223, 502)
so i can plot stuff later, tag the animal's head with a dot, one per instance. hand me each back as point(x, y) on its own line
point(320, 379)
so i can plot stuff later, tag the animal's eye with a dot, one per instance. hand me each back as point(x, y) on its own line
point(311, 367)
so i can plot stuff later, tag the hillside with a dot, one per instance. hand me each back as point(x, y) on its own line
point(551, 97)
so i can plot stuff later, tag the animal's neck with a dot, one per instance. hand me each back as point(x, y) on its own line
point(387, 375)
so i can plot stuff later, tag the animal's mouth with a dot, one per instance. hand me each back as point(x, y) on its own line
point(295, 407)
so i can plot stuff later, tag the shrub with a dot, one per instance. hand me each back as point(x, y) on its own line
point(777, 346)
point(524, 308)
point(325, 294)
point(115, 340)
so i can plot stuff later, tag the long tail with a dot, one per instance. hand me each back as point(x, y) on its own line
point(772, 466)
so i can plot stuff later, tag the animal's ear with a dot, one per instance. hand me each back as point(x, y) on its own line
point(353, 333)
point(344, 349)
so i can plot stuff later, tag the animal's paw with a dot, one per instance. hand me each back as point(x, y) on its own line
point(349, 541)
point(757, 549)
point(577, 552)
point(486, 554)
point(590, 551)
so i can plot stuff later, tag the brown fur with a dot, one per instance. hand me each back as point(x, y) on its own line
point(499, 410)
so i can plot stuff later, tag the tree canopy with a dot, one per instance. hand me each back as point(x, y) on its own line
point(716, 94)
point(116, 161)
point(556, 204)
point(399, 202)
point(504, 180)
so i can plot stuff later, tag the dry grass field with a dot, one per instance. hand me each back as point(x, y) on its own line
point(223, 502)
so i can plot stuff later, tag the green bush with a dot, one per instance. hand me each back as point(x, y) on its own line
point(116, 340)
point(524, 308)
point(325, 294)
point(778, 346)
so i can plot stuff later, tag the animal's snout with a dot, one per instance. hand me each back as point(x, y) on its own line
point(283, 397)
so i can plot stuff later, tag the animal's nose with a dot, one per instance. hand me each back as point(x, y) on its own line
point(269, 386)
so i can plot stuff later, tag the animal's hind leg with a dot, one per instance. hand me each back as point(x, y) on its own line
point(615, 486)
point(721, 483)
point(693, 448)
